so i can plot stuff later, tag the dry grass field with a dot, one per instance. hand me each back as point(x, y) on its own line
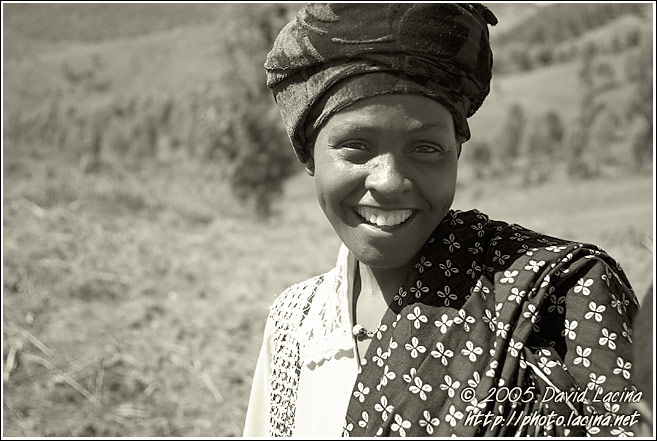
point(134, 300)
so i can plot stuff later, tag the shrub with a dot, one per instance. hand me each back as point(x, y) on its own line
point(639, 72)
point(258, 157)
point(544, 145)
point(480, 158)
point(510, 138)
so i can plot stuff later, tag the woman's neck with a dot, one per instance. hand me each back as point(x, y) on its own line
point(380, 284)
point(374, 291)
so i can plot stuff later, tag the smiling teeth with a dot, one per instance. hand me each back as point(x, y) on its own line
point(384, 218)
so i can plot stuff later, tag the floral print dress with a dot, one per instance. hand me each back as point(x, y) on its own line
point(497, 331)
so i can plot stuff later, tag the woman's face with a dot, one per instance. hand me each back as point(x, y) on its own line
point(385, 175)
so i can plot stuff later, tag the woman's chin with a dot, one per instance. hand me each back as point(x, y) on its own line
point(382, 258)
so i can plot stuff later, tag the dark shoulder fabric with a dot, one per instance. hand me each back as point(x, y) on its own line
point(500, 331)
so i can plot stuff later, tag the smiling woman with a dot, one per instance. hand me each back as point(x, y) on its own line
point(433, 322)
point(383, 184)
point(385, 176)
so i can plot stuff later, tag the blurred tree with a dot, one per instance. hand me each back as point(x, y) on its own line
point(639, 72)
point(481, 159)
point(510, 138)
point(521, 60)
point(607, 140)
point(617, 43)
point(538, 35)
point(544, 56)
point(583, 162)
point(586, 72)
point(248, 135)
point(633, 38)
point(166, 110)
point(544, 146)
point(605, 73)
point(555, 129)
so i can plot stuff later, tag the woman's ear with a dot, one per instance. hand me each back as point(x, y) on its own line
point(310, 166)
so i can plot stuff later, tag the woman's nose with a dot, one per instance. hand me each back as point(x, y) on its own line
point(387, 176)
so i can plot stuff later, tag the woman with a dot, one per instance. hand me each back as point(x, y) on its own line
point(433, 322)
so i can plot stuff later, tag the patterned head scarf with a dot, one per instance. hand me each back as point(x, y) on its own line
point(332, 55)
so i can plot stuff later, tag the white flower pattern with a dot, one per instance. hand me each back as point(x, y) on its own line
point(418, 289)
point(384, 408)
point(509, 277)
point(471, 351)
point(583, 286)
point(608, 339)
point(361, 392)
point(400, 425)
point(442, 353)
point(444, 323)
point(623, 368)
point(582, 354)
point(569, 329)
point(415, 348)
point(595, 312)
point(417, 317)
point(450, 386)
point(535, 266)
point(454, 416)
point(428, 422)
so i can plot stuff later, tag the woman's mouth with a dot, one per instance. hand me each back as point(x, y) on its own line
point(383, 218)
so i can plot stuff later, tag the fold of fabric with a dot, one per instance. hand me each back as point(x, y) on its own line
point(500, 331)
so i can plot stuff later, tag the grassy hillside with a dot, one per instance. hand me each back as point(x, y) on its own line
point(150, 48)
point(92, 56)
point(160, 62)
point(94, 22)
point(559, 22)
point(178, 51)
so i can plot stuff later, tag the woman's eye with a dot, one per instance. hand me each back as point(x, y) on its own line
point(353, 146)
point(424, 148)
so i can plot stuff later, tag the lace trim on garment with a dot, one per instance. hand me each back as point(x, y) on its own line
point(326, 330)
point(287, 314)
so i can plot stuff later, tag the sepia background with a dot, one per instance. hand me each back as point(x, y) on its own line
point(153, 208)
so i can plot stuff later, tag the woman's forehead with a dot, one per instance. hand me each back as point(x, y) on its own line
point(409, 112)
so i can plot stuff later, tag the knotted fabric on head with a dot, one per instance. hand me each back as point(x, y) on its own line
point(332, 55)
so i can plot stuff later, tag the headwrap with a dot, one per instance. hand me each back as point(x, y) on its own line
point(332, 55)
